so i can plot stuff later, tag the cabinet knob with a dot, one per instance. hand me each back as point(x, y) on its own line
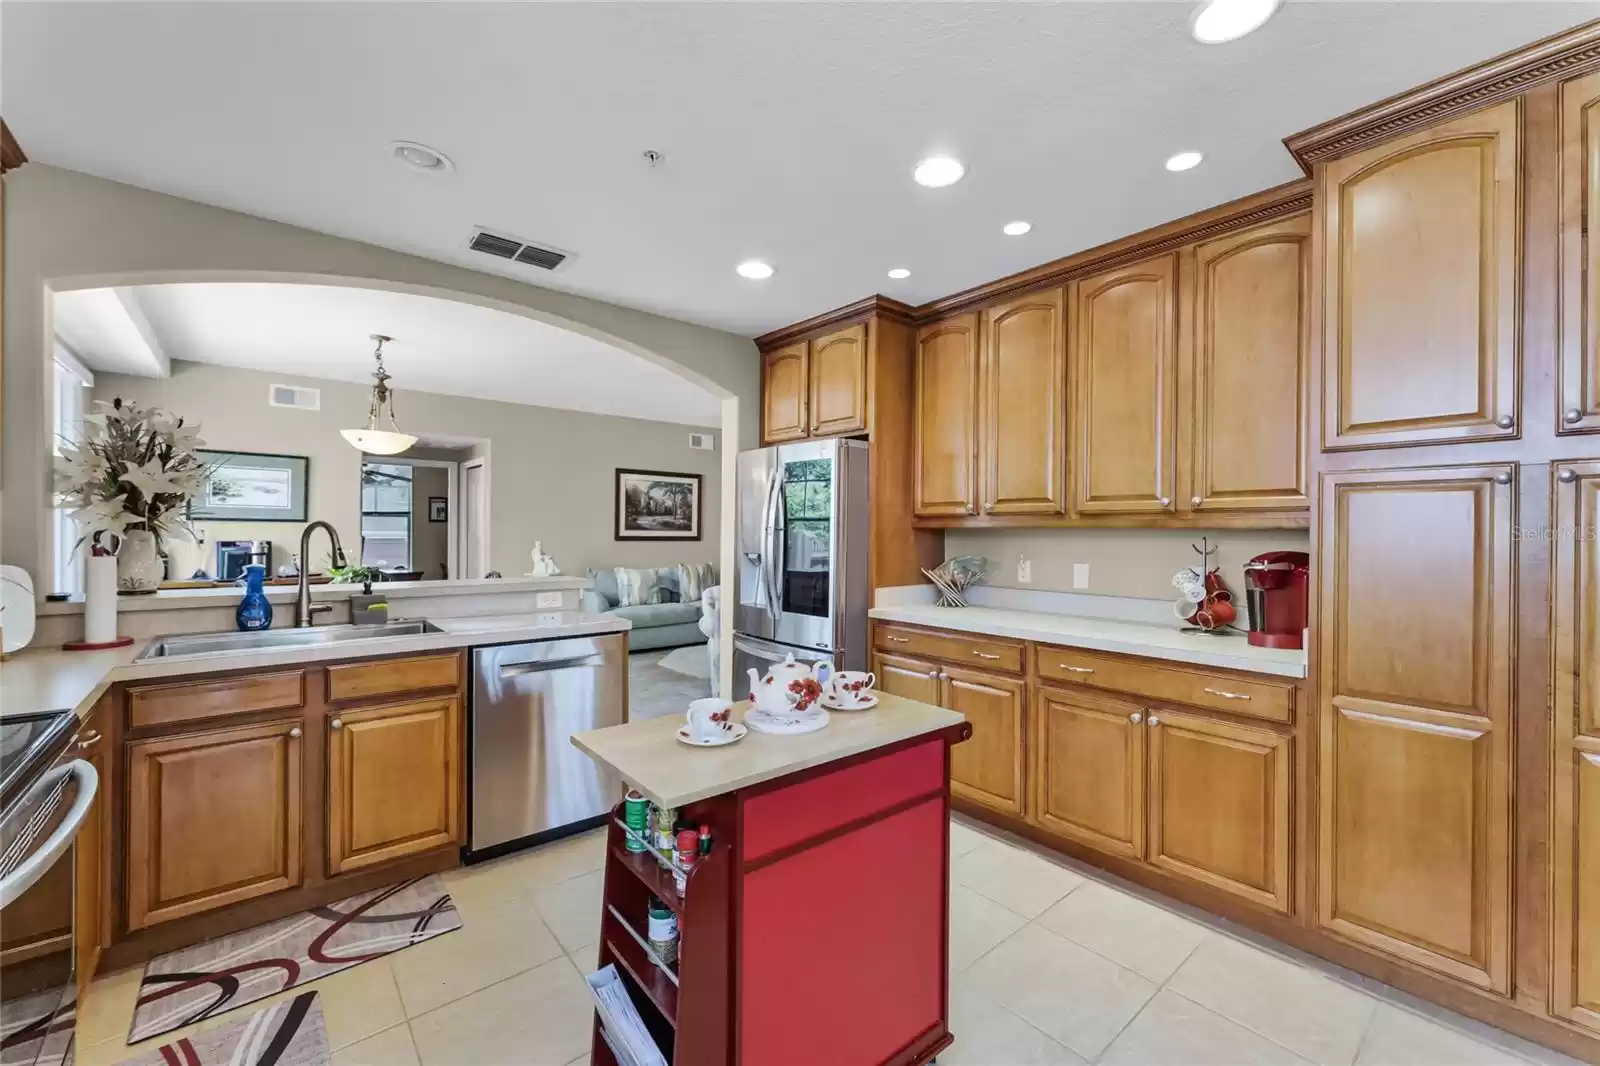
point(1573, 415)
point(1195, 501)
point(1166, 501)
point(1154, 721)
point(295, 732)
point(337, 723)
point(1567, 477)
point(1505, 421)
point(1135, 717)
point(1503, 478)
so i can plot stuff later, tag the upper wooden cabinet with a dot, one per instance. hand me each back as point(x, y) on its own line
point(1415, 646)
point(838, 374)
point(1575, 843)
point(213, 818)
point(1088, 770)
point(785, 385)
point(1578, 384)
point(1421, 260)
point(394, 781)
point(1023, 381)
point(946, 454)
point(1247, 351)
point(1125, 359)
point(816, 388)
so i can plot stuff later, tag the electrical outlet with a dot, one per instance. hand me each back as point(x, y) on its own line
point(1080, 575)
point(1024, 570)
point(547, 599)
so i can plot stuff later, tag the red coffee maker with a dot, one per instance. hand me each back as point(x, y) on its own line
point(1275, 587)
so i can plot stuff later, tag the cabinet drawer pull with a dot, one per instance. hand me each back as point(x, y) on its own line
point(337, 723)
point(985, 655)
point(898, 640)
point(1076, 669)
point(90, 739)
point(295, 732)
point(1227, 695)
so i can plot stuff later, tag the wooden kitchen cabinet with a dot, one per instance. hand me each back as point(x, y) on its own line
point(911, 679)
point(394, 781)
point(785, 384)
point(1578, 373)
point(1125, 359)
point(988, 768)
point(91, 928)
point(1415, 627)
point(1247, 352)
point(1023, 384)
point(1089, 769)
point(1575, 844)
point(1422, 255)
point(946, 472)
point(838, 382)
point(214, 817)
point(1221, 806)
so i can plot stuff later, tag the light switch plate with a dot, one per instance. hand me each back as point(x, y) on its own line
point(547, 599)
point(1080, 575)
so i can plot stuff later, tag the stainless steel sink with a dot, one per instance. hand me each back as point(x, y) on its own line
point(313, 636)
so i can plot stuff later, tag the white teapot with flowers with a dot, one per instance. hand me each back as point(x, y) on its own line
point(789, 687)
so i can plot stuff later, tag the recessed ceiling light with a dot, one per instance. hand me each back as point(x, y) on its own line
point(899, 273)
point(1218, 21)
point(421, 156)
point(754, 269)
point(1184, 161)
point(1016, 229)
point(937, 171)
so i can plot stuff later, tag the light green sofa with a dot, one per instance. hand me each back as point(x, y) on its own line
point(655, 625)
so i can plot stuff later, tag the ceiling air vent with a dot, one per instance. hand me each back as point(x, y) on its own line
point(516, 249)
point(296, 396)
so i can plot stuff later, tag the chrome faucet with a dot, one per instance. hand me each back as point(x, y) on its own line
point(304, 609)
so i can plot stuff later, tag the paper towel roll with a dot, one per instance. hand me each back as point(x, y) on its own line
point(100, 599)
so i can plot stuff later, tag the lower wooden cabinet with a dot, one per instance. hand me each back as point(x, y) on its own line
point(91, 890)
point(1221, 804)
point(394, 781)
point(1088, 769)
point(213, 819)
point(912, 679)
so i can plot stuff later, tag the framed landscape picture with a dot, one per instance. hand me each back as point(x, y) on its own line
point(251, 487)
point(656, 505)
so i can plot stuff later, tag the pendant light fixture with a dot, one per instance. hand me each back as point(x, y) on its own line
point(373, 440)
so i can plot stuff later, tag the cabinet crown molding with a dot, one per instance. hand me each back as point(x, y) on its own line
point(1572, 52)
point(879, 305)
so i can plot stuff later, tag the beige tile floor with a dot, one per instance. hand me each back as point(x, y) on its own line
point(1052, 964)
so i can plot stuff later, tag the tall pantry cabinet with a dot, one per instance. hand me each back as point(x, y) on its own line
point(1457, 500)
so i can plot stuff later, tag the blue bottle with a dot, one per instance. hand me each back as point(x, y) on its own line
point(254, 610)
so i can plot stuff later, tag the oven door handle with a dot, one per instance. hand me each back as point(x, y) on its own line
point(26, 873)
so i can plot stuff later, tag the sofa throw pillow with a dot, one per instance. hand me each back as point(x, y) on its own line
point(636, 588)
point(692, 580)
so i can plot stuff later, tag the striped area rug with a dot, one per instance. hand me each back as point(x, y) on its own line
point(202, 981)
point(287, 1033)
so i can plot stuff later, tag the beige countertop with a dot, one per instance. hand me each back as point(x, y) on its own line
point(48, 679)
point(1231, 652)
point(228, 595)
point(648, 755)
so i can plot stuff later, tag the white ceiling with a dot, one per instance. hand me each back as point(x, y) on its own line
point(439, 346)
point(108, 330)
point(790, 129)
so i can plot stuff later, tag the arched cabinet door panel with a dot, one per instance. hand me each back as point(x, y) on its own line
point(947, 418)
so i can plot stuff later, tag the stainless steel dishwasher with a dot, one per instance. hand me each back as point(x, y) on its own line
point(529, 784)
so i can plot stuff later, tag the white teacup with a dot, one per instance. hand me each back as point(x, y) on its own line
point(851, 687)
point(708, 717)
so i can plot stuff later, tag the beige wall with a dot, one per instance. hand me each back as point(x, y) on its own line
point(66, 230)
point(1122, 562)
point(551, 472)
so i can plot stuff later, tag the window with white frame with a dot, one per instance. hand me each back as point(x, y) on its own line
point(70, 403)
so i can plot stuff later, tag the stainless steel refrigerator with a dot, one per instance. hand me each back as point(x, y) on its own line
point(802, 583)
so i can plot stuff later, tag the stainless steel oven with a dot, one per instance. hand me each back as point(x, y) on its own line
point(46, 792)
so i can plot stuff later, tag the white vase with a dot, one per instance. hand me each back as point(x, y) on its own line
point(138, 564)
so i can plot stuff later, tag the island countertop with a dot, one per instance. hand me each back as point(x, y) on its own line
point(648, 756)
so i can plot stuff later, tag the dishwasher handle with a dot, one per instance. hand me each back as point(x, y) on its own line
point(540, 666)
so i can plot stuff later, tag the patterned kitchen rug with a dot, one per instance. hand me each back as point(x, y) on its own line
point(202, 981)
point(287, 1033)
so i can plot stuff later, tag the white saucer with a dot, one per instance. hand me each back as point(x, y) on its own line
point(834, 705)
point(790, 723)
point(733, 731)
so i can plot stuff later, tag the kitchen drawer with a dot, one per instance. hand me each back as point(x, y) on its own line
point(194, 701)
point(386, 677)
point(1272, 701)
point(951, 647)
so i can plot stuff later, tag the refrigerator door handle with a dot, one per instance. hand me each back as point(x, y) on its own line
point(769, 542)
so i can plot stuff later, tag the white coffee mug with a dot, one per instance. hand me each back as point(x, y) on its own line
point(708, 717)
point(850, 687)
point(1189, 585)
